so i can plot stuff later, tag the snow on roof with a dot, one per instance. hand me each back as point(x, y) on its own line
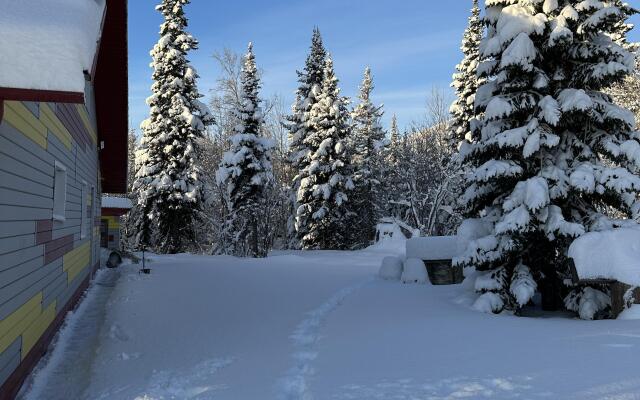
point(612, 254)
point(47, 44)
point(116, 202)
point(432, 248)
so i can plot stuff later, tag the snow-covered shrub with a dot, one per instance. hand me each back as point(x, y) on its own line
point(491, 286)
point(414, 271)
point(523, 286)
point(489, 302)
point(587, 301)
point(629, 297)
point(391, 268)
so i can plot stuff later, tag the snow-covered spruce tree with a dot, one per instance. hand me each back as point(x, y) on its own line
point(627, 93)
point(367, 144)
point(465, 80)
point(246, 170)
point(555, 157)
point(167, 178)
point(323, 218)
point(310, 80)
point(390, 180)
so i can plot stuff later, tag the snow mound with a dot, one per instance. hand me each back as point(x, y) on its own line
point(47, 44)
point(612, 254)
point(391, 268)
point(632, 312)
point(432, 248)
point(414, 271)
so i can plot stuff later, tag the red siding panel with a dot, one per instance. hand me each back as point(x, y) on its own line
point(57, 248)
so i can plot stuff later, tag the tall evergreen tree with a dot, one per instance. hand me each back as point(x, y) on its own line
point(394, 132)
point(246, 169)
point(310, 80)
point(465, 80)
point(367, 141)
point(167, 178)
point(323, 218)
point(555, 157)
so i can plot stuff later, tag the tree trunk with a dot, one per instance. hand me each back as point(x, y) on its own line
point(254, 237)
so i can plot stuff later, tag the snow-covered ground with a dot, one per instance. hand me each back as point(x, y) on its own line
point(320, 325)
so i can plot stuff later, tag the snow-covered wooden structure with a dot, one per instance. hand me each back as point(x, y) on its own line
point(113, 208)
point(63, 141)
point(611, 259)
point(437, 253)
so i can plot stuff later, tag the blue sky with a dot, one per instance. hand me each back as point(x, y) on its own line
point(411, 45)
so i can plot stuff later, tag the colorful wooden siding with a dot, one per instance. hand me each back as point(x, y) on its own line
point(110, 235)
point(43, 262)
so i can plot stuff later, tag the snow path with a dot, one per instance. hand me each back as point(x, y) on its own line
point(296, 386)
point(200, 327)
point(64, 372)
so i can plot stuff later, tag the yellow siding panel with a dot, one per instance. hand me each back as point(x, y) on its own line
point(51, 121)
point(82, 110)
point(73, 272)
point(76, 260)
point(16, 114)
point(37, 328)
point(13, 326)
point(114, 222)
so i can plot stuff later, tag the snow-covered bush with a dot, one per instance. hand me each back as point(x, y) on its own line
point(587, 301)
point(489, 302)
point(414, 271)
point(391, 268)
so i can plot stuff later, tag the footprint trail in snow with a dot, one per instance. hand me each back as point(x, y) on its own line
point(295, 386)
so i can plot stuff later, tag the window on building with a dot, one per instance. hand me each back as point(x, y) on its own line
point(59, 192)
point(84, 210)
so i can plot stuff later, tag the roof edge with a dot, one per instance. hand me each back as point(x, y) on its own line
point(53, 96)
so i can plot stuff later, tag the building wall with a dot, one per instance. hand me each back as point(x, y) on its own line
point(110, 234)
point(43, 262)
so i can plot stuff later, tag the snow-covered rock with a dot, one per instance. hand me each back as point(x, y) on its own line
point(612, 254)
point(391, 268)
point(414, 271)
point(47, 44)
